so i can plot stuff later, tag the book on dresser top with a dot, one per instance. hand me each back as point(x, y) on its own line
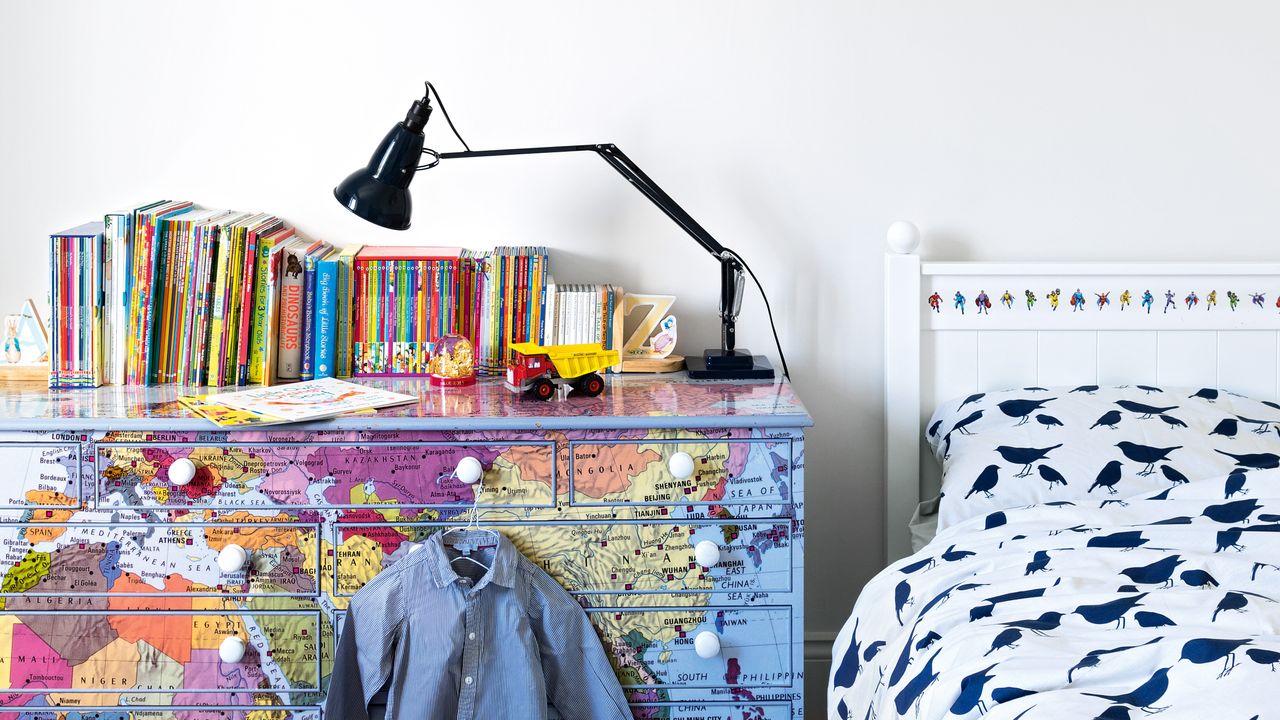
point(309, 400)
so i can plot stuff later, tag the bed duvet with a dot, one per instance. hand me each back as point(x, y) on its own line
point(1164, 603)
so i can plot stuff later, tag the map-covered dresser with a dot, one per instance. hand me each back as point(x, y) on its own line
point(672, 509)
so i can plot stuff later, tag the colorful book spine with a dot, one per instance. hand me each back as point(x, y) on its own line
point(308, 371)
point(345, 312)
point(289, 359)
point(326, 309)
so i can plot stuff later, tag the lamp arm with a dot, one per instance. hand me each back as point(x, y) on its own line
point(731, 275)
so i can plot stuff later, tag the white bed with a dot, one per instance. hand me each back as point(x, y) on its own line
point(1091, 598)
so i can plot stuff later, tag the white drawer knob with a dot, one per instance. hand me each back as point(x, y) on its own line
point(680, 465)
point(232, 558)
point(707, 644)
point(707, 553)
point(469, 471)
point(182, 471)
point(232, 650)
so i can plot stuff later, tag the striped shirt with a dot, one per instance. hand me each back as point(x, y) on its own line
point(444, 638)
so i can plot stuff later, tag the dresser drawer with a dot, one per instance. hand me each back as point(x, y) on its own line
point(655, 648)
point(625, 556)
point(158, 558)
point(70, 653)
point(680, 472)
point(40, 475)
point(710, 710)
point(293, 475)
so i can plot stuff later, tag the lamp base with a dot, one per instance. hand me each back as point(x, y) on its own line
point(740, 364)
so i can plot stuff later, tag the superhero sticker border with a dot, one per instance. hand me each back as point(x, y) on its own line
point(1102, 300)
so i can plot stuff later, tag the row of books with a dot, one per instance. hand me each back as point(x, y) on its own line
point(173, 293)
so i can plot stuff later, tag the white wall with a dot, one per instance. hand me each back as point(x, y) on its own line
point(795, 131)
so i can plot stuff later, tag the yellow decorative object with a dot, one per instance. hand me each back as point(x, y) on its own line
point(452, 362)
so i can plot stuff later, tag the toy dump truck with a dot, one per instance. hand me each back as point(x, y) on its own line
point(538, 369)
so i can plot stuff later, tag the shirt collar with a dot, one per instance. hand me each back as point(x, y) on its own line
point(502, 571)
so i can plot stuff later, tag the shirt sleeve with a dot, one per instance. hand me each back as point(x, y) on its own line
point(362, 664)
point(580, 681)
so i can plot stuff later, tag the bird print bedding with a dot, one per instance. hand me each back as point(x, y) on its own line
point(1109, 608)
point(1034, 445)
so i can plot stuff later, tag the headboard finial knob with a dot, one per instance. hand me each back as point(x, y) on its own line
point(903, 237)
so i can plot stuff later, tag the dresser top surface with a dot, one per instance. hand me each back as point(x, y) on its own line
point(628, 401)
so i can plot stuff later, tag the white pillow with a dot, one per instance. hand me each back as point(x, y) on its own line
point(1089, 445)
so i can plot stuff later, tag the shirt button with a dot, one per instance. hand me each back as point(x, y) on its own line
point(471, 636)
point(468, 680)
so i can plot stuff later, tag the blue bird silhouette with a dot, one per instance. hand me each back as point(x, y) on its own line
point(1262, 427)
point(1039, 563)
point(1256, 461)
point(971, 689)
point(972, 399)
point(1145, 454)
point(1087, 389)
point(1268, 403)
point(1172, 421)
point(1109, 612)
point(1124, 540)
point(1145, 696)
point(847, 671)
point(1236, 511)
point(914, 688)
point(1009, 694)
point(904, 659)
point(1110, 419)
point(1094, 657)
point(1264, 657)
point(995, 520)
point(986, 481)
point(910, 568)
point(962, 427)
point(1152, 619)
point(1144, 411)
point(1226, 428)
point(1235, 600)
point(952, 555)
point(1022, 409)
point(1202, 651)
point(1036, 388)
point(1158, 572)
point(1051, 476)
point(1163, 495)
point(872, 650)
point(1008, 638)
point(981, 612)
point(1041, 625)
point(1048, 421)
point(933, 429)
point(1024, 456)
point(1234, 485)
point(1209, 394)
point(1229, 539)
point(1149, 388)
point(1198, 578)
point(1108, 477)
point(930, 638)
point(901, 598)
point(1021, 594)
point(1173, 475)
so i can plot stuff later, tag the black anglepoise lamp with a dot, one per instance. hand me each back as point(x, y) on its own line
point(379, 193)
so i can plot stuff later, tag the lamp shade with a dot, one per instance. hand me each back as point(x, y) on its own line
point(379, 192)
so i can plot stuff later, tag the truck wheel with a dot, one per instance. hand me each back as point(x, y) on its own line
point(542, 389)
point(591, 385)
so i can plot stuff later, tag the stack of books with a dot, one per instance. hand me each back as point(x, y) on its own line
point(170, 292)
point(587, 314)
point(75, 327)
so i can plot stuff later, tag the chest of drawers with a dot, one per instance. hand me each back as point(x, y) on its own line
point(125, 589)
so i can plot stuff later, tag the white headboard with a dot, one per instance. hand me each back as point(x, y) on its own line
point(932, 356)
